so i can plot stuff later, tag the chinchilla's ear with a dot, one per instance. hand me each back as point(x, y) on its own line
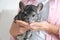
point(39, 7)
point(21, 6)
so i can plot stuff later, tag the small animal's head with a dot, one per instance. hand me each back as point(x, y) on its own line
point(28, 13)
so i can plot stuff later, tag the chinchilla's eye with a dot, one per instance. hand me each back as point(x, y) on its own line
point(33, 15)
point(25, 13)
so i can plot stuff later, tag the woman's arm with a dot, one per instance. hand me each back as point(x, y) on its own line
point(50, 28)
point(53, 28)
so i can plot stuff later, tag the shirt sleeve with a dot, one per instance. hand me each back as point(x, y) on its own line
point(11, 37)
point(59, 33)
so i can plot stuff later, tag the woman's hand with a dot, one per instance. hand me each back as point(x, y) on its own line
point(18, 28)
point(39, 25)
point(46, 26)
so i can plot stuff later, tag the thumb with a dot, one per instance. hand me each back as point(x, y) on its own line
point(35, 24)
point(34, 27)
point(22, 23)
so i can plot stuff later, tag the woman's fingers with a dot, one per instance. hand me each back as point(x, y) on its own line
point(35, 26)
point(22, 23)
point(38, 25)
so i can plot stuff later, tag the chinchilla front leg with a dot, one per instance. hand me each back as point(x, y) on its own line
point(21, 37)
point(28, 35)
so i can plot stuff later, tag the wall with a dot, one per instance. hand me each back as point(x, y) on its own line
point(8, 9)
point(8, 4)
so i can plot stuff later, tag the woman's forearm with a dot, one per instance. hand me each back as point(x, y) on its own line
point(53, 29)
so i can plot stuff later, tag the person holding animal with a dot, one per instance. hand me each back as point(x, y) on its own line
point(52, 26)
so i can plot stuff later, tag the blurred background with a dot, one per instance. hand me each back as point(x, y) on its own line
point(8, 9)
